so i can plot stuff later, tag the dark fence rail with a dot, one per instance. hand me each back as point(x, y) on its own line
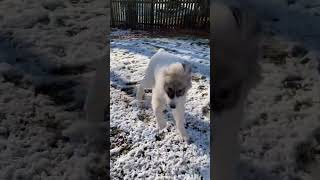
point(160, 14)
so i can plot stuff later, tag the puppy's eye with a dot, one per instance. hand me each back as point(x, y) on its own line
point(170, 93)
point(179, 92)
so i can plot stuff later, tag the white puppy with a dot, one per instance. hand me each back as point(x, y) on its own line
point(169, 77)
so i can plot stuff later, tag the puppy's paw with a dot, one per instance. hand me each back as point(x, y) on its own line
point(141, 104)
point(138, 104)
point(184, 136)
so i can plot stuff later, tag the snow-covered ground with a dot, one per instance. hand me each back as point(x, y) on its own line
point(47, 50)
point(137, 150)
point(279, 136)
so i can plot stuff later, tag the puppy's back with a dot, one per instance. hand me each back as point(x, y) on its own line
point(161, 59)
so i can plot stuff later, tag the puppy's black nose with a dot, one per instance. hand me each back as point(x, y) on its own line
point(172, 106)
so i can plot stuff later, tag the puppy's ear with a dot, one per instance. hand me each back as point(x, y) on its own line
point(187, 67)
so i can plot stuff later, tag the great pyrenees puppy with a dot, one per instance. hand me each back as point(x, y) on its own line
point(169, 77)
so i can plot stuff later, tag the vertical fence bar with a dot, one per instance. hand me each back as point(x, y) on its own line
point(180, 13)
point(184, 13)
point(112, 15)
point(194, 14)
point(119, 11)
point(169, 13)
point(147, 15)
point(115, 13)
point(189, 14)
point(152, 14)
point(156, 14)
point(161, 13)
point(135, 14)
point(166, 13)
point(112, 20)
point(199, 16)
point(144, 15)
point(124, 15)
point(138, 13)
point(176, 13)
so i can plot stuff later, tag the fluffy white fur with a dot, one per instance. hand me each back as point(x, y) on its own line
point(166, 69)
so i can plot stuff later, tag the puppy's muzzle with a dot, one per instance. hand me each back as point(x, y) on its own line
point(172, 106)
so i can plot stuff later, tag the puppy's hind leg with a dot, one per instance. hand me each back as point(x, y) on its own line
point(158, 108)
point(178, 115)
point(140, 93)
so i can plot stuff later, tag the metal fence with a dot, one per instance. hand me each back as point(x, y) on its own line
point(158, 14)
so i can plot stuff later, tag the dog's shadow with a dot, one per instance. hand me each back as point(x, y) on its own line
point(117, 82)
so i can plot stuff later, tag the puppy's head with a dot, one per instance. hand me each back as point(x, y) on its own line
point(177, 81)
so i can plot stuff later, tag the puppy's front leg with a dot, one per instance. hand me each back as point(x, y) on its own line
point(139, 95)
point(158, 108)
point(178, 115)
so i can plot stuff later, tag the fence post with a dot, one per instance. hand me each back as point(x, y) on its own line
point(128, 13)
point(135, 14)
point(152, 14)
point(112, 15)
